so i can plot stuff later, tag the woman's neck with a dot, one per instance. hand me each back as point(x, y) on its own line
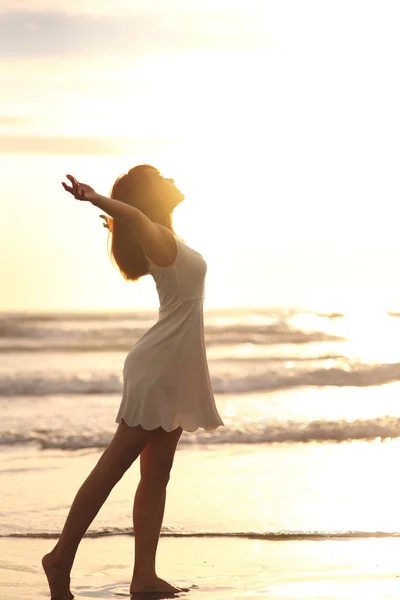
point(166, 221)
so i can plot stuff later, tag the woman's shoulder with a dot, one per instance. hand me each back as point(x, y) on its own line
point(167, 254)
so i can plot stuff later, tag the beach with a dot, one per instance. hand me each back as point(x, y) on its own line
point(295, 497)
point(234, 569)
point(240, 523)
point(278, 124)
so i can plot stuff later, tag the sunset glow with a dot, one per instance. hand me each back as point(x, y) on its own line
point(278, 120)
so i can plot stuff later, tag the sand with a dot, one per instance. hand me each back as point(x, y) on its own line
point(219, 568)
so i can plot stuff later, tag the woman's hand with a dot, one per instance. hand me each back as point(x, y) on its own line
point(106, 221)
point(80, 191)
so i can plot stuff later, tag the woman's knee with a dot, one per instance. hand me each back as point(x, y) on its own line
point(158, 473)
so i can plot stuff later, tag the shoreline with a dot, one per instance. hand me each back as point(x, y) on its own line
point(238, 569)
point(279, 536)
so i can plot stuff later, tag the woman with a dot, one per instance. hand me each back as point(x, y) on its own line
point(166, 383)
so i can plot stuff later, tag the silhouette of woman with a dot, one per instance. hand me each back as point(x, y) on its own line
point(166, 384)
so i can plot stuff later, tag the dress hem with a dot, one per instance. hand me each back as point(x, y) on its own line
point(119, 420)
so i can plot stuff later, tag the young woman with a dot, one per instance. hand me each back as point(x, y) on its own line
point(166, 385)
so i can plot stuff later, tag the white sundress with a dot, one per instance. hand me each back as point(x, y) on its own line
point(166, 377)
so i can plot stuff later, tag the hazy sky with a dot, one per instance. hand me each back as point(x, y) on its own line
point(279, 119)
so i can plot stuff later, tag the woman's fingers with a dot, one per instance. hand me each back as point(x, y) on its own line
point(72, 180)
point(67, 187)
point(105, 221)
point(71, 188)
point(75, 185)
point(75, 189)
point(79, 190)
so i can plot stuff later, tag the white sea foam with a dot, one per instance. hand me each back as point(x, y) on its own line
point(267, 377)
point(283, 432)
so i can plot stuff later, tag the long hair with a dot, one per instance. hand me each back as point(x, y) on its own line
point(134, 189)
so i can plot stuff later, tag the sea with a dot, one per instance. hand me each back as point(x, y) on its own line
point(311, 405)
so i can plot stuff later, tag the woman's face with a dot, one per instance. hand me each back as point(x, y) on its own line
point(166, 191)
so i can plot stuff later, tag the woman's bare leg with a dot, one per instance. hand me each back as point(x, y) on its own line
point(155, 465)
point(124, 448)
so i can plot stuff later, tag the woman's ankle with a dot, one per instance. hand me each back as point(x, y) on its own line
point(62, 556)
point(144, 575)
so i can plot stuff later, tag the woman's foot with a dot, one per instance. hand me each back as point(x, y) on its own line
point(58, 576)
point(154, 585)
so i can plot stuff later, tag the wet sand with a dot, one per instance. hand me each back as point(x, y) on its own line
point(218, 569)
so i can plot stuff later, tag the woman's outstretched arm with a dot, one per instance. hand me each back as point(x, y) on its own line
point(157, 241)
point(115, 208)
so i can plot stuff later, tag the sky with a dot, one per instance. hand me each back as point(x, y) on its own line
point(278, 119)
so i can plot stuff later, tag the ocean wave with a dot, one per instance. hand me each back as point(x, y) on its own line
point(251, 535)
point(28, 335)
point(26, 318)
point(289, 432)
point(355, 375)
point(273, 378)
point(36, 384)
point(266, 335)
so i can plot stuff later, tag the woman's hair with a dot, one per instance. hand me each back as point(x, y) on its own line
point(133, 188)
